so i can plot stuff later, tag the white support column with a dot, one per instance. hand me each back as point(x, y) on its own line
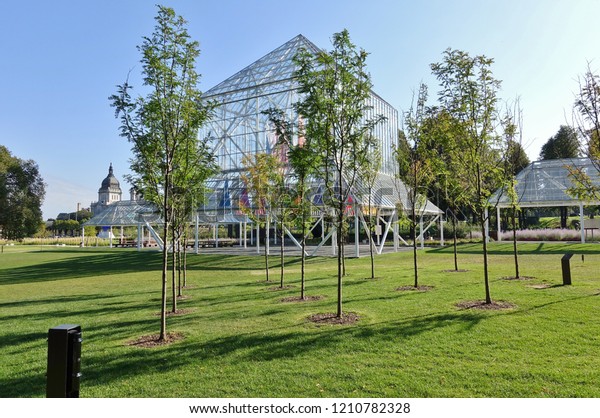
point(581, 222)
point(422, 234)
point(82, 236)
point(257, 238)
point(139, 236)
point(442, 230)
point(217, 235)
point(499, 224)
point(356, 232)
point(333, 242)
point(196, 234)
point(396, 231)
point(110, 235)
point(245, 234)
point(267, 235)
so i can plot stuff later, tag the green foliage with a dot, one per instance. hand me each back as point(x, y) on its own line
point(170, 163)
point(415, 343)
point(22, 192)
point(587, 114)
point(334, 87)
point(469, 95)
point(564, 144)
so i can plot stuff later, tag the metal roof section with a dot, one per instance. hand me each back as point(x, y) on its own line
point(545, 183)
point(126, 213)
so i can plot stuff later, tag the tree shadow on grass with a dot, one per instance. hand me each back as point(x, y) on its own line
point(82, 266)
point(558, 248)
point(103, 366)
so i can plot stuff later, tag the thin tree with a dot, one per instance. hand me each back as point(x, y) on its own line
point(512, 123)
point(369, 170)
point(303, 162)
point(165, 122)
point(415, 166)
point(262, 176)
point(469, 94)
point(334, 88)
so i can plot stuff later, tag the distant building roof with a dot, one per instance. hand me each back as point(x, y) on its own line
point(545, 183)
point(126, 213)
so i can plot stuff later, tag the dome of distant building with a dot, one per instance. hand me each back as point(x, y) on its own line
point(110, 183)
point(108, 193)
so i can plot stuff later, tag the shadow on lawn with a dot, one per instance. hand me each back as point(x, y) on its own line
point(81, 266)
point(504, 248)
point(103, 367)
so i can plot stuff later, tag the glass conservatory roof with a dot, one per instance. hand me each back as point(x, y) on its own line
point(126, 213)
point(545, 183)
point(227, 195)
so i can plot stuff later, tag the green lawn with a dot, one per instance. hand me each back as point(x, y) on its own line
point(242, 341)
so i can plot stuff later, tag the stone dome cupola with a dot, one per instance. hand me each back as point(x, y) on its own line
point(110, 191)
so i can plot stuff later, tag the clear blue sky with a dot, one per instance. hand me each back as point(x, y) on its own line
point(60, 61)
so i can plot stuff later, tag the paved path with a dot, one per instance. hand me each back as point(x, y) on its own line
point(292, 250)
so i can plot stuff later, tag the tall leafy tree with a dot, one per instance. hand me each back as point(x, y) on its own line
point(586, 115)
point(334, 87)
point(468, 92)
point(443, 133)
point(163, 125)
point(22, 192)
point(565, 144)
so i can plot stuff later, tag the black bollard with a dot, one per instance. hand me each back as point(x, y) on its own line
point(64, 361)
point(566, 268)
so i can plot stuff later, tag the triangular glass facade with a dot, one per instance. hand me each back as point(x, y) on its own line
point(240, 128)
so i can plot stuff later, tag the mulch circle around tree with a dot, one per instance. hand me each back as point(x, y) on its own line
point(540, 286)
point(276, 288)
point(297, 299)
point(178, 312)
point(455, 271)
point(421, 288)
point(183, 297)
point(347, 318)
point(517, 278)
point(190, 286)
point(149, 341)
point(481, 305)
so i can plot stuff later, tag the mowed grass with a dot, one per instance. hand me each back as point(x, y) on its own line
point(241, 340)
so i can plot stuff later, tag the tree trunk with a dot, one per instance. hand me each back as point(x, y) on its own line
point(303, 244)
point(488, 298)
point(455, 246)
point(414, 239)
point(165, 261)
point(173, 268)
point(282, 248)
point(267, 248)
point(369, 235)
point(185, 258)
point(514, 231)
point(340, 262)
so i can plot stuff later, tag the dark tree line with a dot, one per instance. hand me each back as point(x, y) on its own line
point(22, 192)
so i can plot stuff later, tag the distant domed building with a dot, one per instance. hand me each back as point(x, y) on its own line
point(108, 193)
